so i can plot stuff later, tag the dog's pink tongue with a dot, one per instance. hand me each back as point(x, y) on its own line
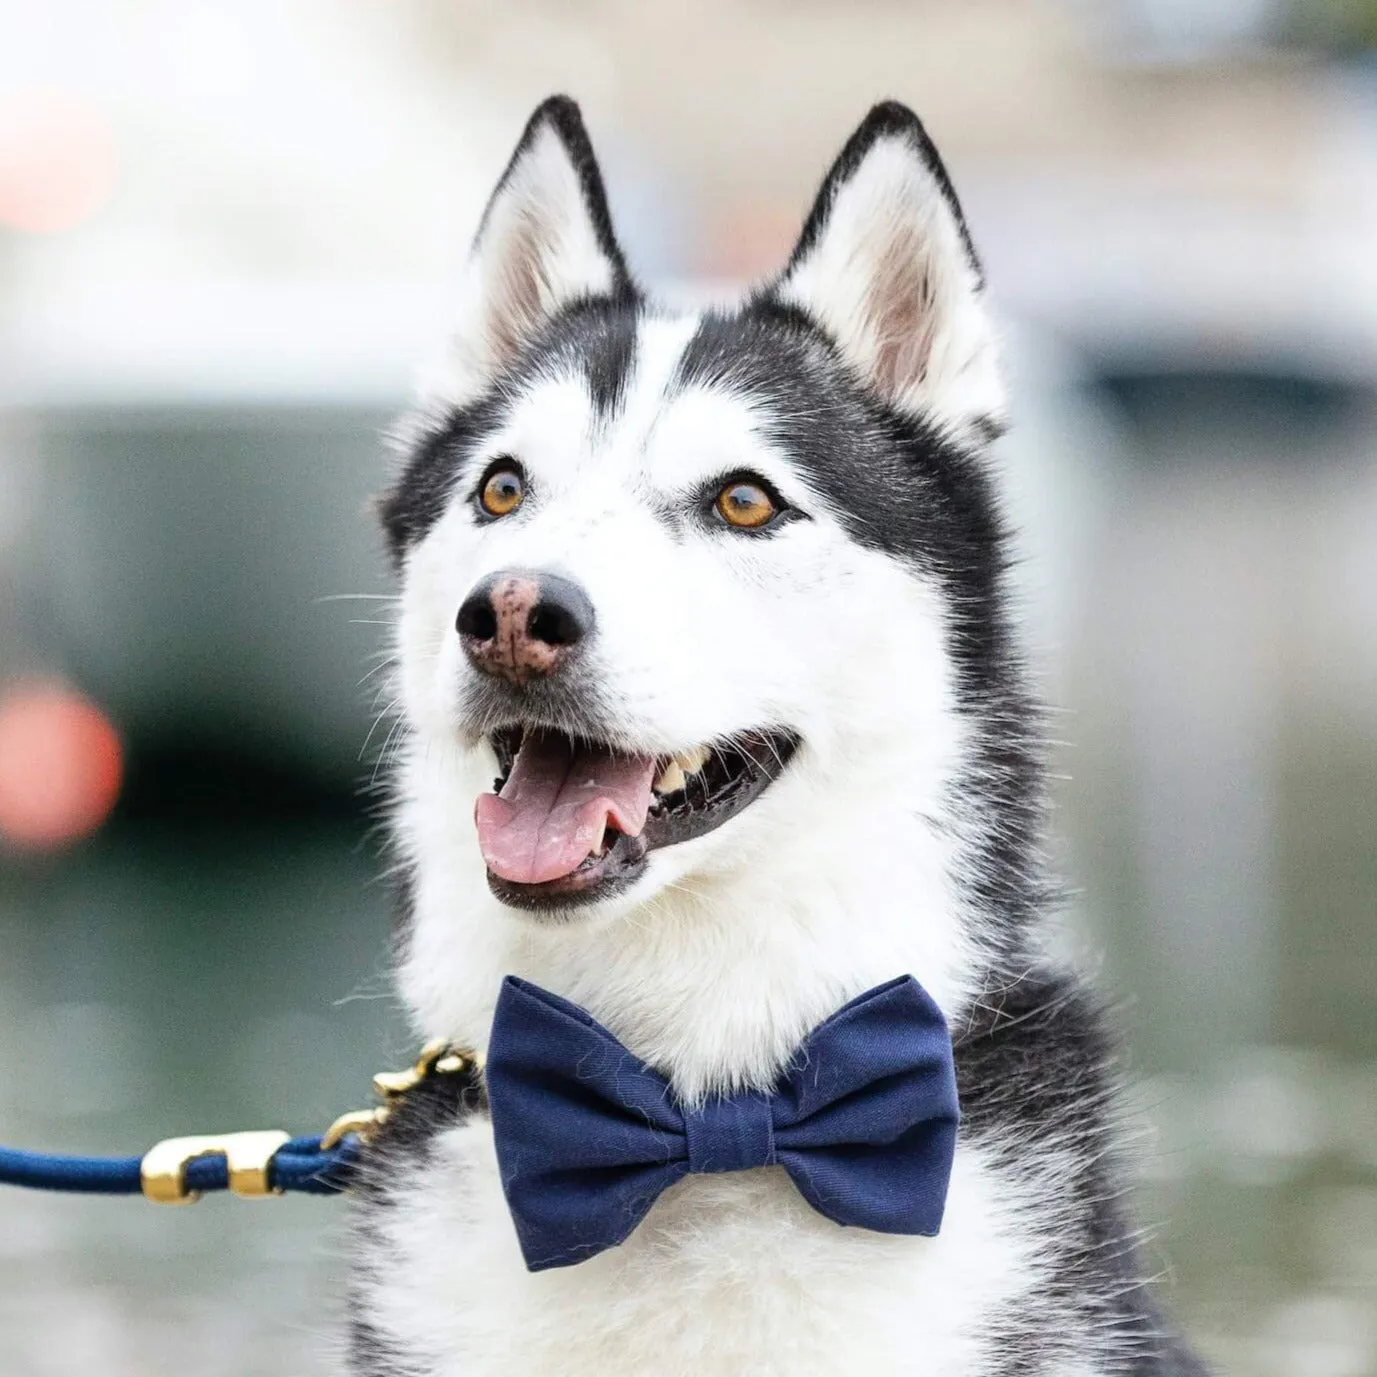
point(554, 806)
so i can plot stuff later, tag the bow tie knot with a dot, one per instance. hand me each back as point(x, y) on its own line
point(863, 1121)
point(731, 1133)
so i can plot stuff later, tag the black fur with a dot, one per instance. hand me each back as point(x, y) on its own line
point(421, 493)
point(405, 1140)
point(594, 338)
point(563, 115)
point(1035, 1070)
point(903, 488)
point(1035, 1067)
point(1034, 1062)
point(401, 1149)
point(595, 335)
point(889, 119)
point(371, 1354)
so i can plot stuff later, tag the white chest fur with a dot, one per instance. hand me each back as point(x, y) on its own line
point(727, 1275)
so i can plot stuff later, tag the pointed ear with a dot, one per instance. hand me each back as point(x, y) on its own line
point(886, 267)
point(544, 243)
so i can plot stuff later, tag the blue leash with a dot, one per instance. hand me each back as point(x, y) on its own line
point(299, 1165)
point(251, 1165)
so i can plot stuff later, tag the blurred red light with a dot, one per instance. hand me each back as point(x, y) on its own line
point(60, 766)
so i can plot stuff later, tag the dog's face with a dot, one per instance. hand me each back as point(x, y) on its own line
point(690, 593)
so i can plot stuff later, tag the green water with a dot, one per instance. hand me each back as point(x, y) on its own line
point(169, 979)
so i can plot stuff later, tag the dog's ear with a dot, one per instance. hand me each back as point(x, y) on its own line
point(886, 267)
point(544, 243)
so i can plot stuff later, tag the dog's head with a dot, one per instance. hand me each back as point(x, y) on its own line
point(703, 600)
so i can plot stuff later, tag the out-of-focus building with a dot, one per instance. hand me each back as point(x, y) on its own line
point(228, 236)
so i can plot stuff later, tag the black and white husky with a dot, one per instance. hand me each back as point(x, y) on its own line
point(718, 600)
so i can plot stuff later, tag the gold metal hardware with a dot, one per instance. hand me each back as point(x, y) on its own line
point(247, 1157)
point(438, 1058)
point(364, 1122)
point(458, 1060)
point(390, 1084)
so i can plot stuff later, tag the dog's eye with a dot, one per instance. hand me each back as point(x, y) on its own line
point(745, 504)
point(502, 491)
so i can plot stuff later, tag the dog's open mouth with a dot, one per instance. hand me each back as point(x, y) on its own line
point(571, 821)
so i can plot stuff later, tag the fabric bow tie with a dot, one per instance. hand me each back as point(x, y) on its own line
point(863, 1120)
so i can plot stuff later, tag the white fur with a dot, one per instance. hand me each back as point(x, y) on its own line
point(684, 968)
point(890, 280)
point(730, 1275)
point(731, 947)
point(536, 251)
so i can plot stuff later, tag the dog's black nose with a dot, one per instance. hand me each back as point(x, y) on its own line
point(522, 623)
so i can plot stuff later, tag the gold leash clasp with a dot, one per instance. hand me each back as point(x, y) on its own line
point(247, 1156)
point(438, 1058)
point(362, 1122)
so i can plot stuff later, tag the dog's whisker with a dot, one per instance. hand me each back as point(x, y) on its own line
point(389, 663)
point(377, 721)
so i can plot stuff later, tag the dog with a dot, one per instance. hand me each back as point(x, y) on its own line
point(713, 716)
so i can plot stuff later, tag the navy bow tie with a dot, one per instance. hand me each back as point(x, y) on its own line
point(863, 1120)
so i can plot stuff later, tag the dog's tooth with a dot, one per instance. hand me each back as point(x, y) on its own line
point(600, 838)
point(692, 761)
point(671, 778)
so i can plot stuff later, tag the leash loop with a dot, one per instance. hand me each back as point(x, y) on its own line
point(253, 1166)
point(248, 1157)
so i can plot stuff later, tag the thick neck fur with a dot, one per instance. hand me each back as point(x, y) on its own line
point(717, 978)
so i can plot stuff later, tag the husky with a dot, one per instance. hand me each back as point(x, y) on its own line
point(712, 716)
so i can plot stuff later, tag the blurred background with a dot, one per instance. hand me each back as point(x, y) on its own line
point(227, 237)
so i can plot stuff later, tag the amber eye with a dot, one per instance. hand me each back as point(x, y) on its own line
point(502, 492)
point(745, 504)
